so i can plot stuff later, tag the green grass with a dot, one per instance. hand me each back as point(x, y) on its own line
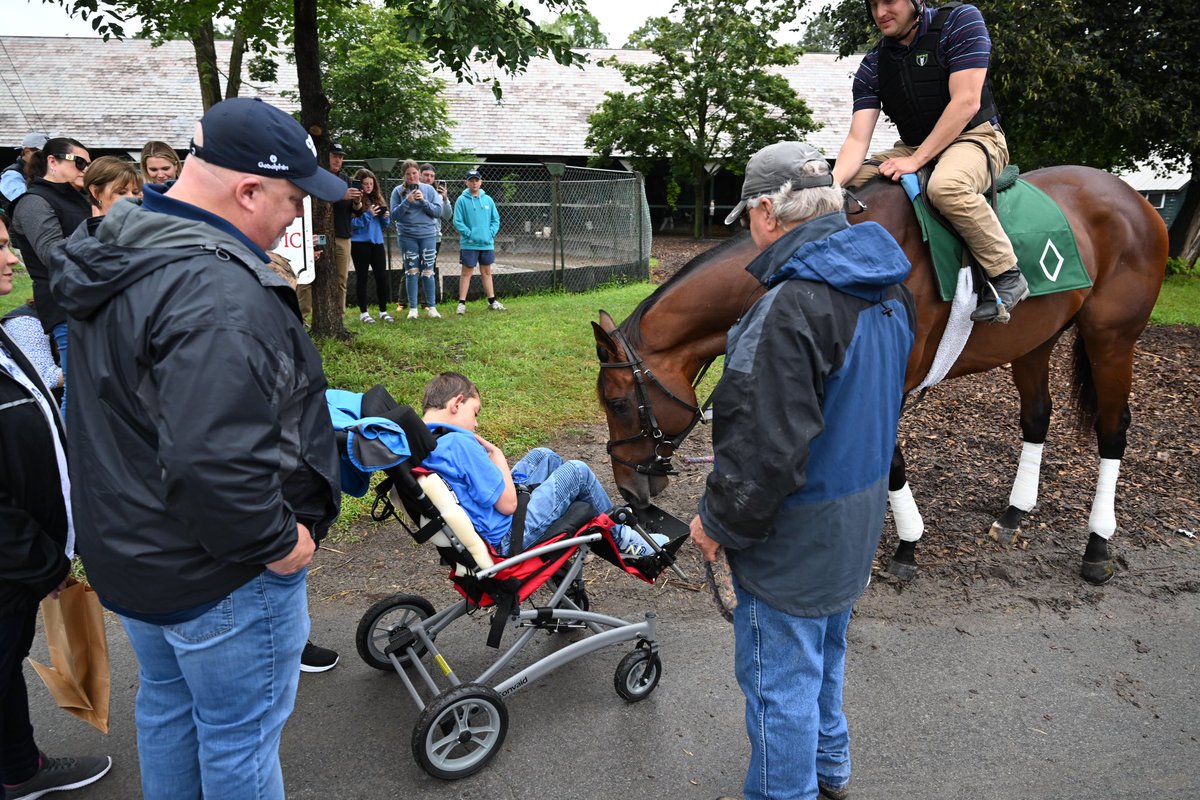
point(1179, 301)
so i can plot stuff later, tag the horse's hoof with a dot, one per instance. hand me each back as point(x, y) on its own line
point(902, 570)
point(1097, 572)
point(999, 533)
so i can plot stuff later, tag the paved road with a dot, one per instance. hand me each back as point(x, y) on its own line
point(1102, 704)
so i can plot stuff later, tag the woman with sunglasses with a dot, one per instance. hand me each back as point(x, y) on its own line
point(51, 210)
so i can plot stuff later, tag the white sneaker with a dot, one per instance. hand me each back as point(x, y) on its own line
point(413, 313)
point(462, 309)
point(496, 305)
point(386, 317)
point(432, 312)
point(365, 317)
point(631, 543)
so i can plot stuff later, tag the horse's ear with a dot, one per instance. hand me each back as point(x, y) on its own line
point(606, 322)
point(606, 347)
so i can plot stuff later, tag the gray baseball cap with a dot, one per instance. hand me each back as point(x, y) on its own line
point(775, 165)
point(35, 140)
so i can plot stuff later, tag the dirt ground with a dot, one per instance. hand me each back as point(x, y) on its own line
point(961, 445)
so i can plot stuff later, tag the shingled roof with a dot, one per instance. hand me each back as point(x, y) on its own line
point(110, 95)
point(545, 109)
point(120, 94)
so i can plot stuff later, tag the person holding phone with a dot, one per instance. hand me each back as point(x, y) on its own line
point(417, 213)
point(429, 175)
point(366, 246)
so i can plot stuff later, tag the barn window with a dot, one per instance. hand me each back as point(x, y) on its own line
point(1157, 199)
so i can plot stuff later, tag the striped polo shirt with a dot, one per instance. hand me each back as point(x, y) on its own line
point(965, 44)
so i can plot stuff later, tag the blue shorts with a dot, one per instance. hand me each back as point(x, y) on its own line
point(473, 258)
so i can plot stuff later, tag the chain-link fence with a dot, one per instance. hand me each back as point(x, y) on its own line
point(561, 227)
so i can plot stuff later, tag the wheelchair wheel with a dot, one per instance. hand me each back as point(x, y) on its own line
point(382, 620)
point(460, 731)
point(637, 675)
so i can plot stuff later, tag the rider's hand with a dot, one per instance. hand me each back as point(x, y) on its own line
point(895, 167)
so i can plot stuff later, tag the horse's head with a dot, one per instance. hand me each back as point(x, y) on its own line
point(647, 418)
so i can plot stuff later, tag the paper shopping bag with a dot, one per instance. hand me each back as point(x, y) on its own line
point(78, 676)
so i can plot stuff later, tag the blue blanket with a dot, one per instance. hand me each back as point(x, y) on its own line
point(372, 443)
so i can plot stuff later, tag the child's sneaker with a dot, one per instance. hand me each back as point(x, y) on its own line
point(462, 309)
point(432, 312)
point(496, 305)
point(61, 774)
point(631, 543)
point(385, 316)
point(365, 317)
point(412, 313)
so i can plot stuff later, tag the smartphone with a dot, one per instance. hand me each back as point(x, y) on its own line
point(441, 184)
point(356, 185)
point(319, 240)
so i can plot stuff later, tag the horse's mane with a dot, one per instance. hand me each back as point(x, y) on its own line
point(631, 328)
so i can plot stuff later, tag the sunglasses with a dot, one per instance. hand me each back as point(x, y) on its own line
point(80, 162)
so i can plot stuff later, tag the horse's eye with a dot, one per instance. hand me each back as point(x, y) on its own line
point(618, 406)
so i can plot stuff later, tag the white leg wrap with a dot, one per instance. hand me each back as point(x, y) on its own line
point(909, 525)
point(1025, 488)
point(1103, 521)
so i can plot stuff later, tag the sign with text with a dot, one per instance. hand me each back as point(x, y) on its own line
point(297, 246)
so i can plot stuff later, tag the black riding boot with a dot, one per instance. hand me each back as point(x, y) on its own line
point(998, 295)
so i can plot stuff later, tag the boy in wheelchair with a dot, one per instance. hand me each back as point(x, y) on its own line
point(478, 473)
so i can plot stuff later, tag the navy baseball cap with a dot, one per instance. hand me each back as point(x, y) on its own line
point(775, 165)
point(245, 134)
point(474, 173)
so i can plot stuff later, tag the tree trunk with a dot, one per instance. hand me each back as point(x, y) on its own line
point(1190, 251)
point(328, 317)
point(698, 176)
point(233, 83)
point(204, 43)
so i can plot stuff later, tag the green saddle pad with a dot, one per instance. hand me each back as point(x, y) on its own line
point(1044, 243)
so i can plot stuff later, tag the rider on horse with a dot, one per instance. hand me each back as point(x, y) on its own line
point(929, 75)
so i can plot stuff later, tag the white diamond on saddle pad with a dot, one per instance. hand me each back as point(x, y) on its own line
point(1050, 248)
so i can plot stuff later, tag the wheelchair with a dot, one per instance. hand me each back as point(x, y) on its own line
point(463, 722)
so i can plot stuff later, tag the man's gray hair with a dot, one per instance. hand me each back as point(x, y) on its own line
point(793, 206)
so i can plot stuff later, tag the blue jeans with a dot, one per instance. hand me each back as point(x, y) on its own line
point(562, 483)
point(59, 332)
point(420, 257)
point(791, 671)
point(215, 693)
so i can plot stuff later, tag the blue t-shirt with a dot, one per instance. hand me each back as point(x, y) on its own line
point(478, 483)
point(964, 44)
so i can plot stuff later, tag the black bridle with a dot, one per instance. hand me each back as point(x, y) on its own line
point(643, 377)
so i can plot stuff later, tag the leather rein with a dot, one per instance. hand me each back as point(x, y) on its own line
point(642, 379)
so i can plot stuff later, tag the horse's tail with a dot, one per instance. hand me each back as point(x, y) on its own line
point(1083, 388)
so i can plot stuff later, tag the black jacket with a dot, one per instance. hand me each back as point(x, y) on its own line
point(33, 513)
point(199, 432)
point(36, 230)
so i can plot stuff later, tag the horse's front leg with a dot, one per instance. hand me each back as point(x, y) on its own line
point(1031, 374)
point(909, 525)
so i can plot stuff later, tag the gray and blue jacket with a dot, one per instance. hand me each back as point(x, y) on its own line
point(805, 416)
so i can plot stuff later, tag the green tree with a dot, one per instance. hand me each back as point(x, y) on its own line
point(385, 99)
point(820, 33)
point(581, 28)
point(710, 97)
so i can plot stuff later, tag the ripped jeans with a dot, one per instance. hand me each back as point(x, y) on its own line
point(420, 257)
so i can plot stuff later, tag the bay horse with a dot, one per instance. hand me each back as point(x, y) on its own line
point(650, 362)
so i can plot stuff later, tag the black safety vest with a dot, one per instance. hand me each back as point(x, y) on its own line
point(914, 85)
